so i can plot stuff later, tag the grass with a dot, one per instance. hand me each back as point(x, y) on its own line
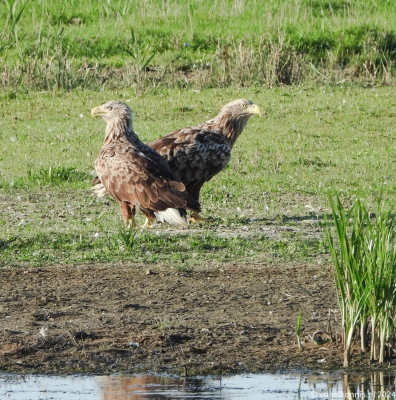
point(179, 250)
point(52, 176)
point(151, 44)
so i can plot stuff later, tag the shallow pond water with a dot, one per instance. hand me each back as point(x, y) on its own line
point(378, 385)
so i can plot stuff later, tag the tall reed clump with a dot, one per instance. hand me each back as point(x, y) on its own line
point(363, 249)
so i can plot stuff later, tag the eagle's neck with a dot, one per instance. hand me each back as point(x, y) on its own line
point(119, 129)
point(231, 126)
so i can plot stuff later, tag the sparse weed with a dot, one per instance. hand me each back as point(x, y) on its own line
point(298, 330)
point(163, 324)
point(128, 237)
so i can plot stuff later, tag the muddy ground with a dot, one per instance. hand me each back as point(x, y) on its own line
point(126, 318)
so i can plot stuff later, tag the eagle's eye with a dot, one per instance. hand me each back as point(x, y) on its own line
point(243, 105)
point(109, 108)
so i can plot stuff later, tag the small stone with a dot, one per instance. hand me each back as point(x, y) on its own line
point(43, 331)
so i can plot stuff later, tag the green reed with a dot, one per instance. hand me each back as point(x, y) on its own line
point(363, 249)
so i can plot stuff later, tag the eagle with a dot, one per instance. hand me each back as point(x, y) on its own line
point(196, 154)
point(135, 174)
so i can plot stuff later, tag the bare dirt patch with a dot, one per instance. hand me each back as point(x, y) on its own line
point(221, 317)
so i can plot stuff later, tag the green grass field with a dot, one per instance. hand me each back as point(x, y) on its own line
point(152, 44)
point(312, 140)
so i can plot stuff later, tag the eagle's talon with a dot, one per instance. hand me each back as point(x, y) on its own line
point(130, 224)
point(195, 218)
point(148, 223)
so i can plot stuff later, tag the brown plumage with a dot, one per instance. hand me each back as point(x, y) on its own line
point(196, 154)
point(135, 174)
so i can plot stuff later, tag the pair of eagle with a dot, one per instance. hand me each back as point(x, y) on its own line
point(163, 179)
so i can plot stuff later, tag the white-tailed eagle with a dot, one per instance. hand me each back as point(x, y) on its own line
point(135, 174)
point(196, 154)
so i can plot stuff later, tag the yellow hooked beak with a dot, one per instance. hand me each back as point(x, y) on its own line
point(254, 109)
point(98, 111)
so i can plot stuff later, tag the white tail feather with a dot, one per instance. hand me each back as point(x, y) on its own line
point(99, 190)
point(171, 216)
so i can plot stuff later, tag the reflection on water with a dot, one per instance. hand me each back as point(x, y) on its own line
point(378, 385)
point(148, 387)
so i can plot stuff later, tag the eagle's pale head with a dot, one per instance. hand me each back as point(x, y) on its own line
point(118, 117)
point(241, 108)
point(113, 111)
point(233, 118)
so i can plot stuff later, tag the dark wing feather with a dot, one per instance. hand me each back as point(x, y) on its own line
point(195, 155)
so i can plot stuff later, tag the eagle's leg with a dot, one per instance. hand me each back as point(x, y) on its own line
point(131, 222)
point(150, 218)
point(193, 192)
point(128, 213)
point(196, 218)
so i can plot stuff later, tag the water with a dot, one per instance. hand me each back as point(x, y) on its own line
point(379, 385)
